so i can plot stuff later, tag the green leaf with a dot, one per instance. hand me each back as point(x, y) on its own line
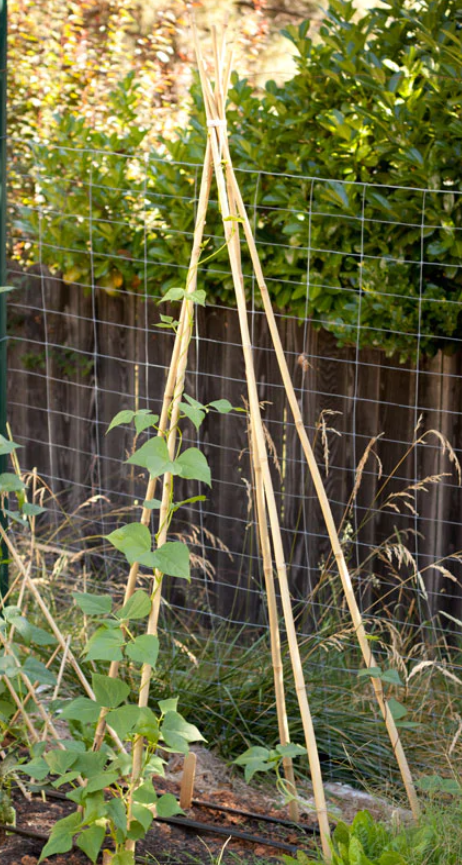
point(81, 709)
point(61, 837)
point(138, 606)
point(10, 483)
point(116, 812)
point(38, 672)
point(36, 768)
point(169, 705)
point(40, 637)
point(90, 763)
point(196, 415)
point(396, 709)
point(145, 794)
point(371, 672)
point(172, 558)
point(143, 420)
point(255, 759)
point(60, 761)
point(109, 693)
point(167, 806)
point(199, 296)
point(437, 784)
point(123, 720)
point(144, 649)
point(142, 815)
point(291, 750)
point(7, 446)
point(31, 510)
point(153, 456)
point(93, 605)
point(222, 405)
point(133, 540)
point(91, 841)
point(173, 294)
point(148, 725)
point(176, 732)
point(391, 677)
point(152, 504)
point(105, 645)
point(122, 417)
point(105, 779)
point(124, 858)
point(9, 666)
point(192, 464)
point(6, 288)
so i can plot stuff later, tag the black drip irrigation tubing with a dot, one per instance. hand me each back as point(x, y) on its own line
point(194, 825)
point(306, 827)
point(183, 823)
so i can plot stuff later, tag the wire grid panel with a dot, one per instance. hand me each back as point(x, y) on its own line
point(100, 238)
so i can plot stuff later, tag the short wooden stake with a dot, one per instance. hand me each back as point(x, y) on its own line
point(187, 781)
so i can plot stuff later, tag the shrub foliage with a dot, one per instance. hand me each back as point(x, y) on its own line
point(352, 169)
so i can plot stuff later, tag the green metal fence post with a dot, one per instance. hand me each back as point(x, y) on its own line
point(3, 372)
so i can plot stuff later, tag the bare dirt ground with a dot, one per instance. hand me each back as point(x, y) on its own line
point(215, 783)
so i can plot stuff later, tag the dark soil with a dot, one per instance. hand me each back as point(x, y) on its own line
point(164, 844)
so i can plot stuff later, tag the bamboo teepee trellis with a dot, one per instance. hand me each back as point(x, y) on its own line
point(218, 160)
point(233, 208)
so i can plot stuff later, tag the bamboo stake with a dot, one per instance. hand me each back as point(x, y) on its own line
point(36, 684)
point(58, 682)
point(265, 547)
point(324, 501)
point(183, 333)
point(178, 375)
point(54, 628)
point(22, 711)
point(33, 693)
point(218, 142)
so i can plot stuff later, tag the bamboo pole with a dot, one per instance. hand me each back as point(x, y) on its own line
point(178, 370)
point(217, 132)
point(317, 480)
point(54, 628)
point(182, 336)
point(323, 500)
point(222, 83)
point(265, 548)
point(33, 694)
point(36, 684)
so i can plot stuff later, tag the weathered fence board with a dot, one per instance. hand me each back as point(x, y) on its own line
point(77, 358)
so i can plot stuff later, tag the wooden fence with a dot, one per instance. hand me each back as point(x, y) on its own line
point(76, 358)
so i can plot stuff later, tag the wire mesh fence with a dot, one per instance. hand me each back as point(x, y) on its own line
point(372, 340)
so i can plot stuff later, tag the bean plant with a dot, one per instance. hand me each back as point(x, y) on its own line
point(111, 801)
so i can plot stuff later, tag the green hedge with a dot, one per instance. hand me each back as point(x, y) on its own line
point(372, 118)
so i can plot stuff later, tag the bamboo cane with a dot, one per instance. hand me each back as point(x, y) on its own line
point(183, 333)
point(178, 375)
point(265, 544)
point(218, 142)
point(36, 684)
point(54, 628)
point(323, 500)
point(58, 682)
point(265, 547)
point(22, 711)
point(33, 694)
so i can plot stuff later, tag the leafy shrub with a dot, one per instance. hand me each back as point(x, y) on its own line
point(370, 120)
point(366, 842)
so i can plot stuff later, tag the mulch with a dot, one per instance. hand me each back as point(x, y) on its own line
point(165, 844)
